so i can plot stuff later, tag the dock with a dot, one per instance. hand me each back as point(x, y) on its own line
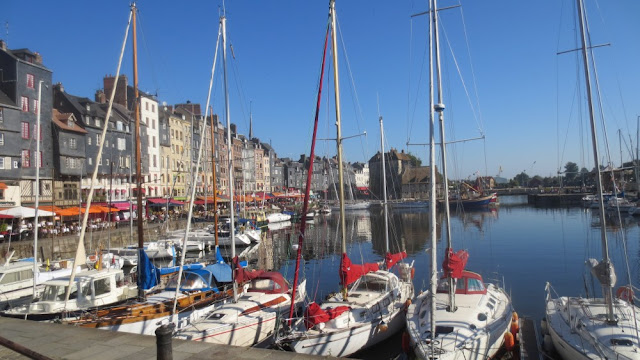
point(57, 341)
point(529, 342)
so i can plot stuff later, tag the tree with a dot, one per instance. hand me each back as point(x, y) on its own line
point(521, 179)
point(414, 161)
point(570, 173)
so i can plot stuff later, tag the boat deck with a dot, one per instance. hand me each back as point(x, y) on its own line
point(59, 341)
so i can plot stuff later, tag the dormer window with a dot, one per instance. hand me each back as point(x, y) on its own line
point(98, 122)
point(70, 123)
point(88, 107)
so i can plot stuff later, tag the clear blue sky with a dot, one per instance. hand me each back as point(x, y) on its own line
point(526, 102)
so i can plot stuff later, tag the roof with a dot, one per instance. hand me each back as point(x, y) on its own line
point(61, 120)
point(5, 100)
point(412, 175)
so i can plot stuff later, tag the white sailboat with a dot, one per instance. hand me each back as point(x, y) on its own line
point(594, 328)
point(371, 305)
point(251, 317)
point(460, 317)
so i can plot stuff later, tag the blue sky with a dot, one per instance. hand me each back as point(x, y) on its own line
point(524, 96)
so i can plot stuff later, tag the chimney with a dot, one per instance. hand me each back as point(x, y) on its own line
point(38, 59)
point(100, 97)
point(57, 86)
point(121, 90)
point(3, 45)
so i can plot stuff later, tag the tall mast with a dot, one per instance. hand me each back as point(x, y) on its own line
point(384, 190)
point(607, 290)
point(214, 181)
point(433, 202)
point(223, 21)
point(336, 86)
point(439, 108)
point(136, 111)
point(37, 189)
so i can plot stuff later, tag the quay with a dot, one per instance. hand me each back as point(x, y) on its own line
point(57, 341)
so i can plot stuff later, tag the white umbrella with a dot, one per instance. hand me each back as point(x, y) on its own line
point(25, 212)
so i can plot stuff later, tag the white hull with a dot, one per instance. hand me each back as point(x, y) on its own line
point(358, 328)
point(278, 217)
point(588, 336)
point(462, 342)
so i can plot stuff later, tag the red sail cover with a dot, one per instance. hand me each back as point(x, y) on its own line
point(242, 275)
point(392, 259)
point(454, 264)
point(350, 272)
point(315, 315)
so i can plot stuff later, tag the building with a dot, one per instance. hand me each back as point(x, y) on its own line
point(395, 164)
point(25, 90)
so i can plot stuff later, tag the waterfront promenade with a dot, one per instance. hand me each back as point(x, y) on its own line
point(58, 341)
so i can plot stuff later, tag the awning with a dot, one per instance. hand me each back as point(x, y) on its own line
point(176, 202)
point(121, 205)
point(3, 186)
point(157, 201)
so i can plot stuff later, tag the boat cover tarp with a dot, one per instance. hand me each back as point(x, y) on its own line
point(241, 274)
point(454, 263)
point(316, 315)
point(604, 272)
point(392, 259)
point(173, 269)
point(221, 272)
point(350, 272)
point(148, 277)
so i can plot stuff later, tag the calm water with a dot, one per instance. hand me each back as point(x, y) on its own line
point(524, 245)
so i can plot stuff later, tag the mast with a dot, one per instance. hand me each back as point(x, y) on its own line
point(136, 111)
point(336, 86)
point(433, 203)
point(384, 190)
point(606, 290)
point(439, 108)
point(214, 181)
point(305, 205)
point(39, 159)
point(223, 21)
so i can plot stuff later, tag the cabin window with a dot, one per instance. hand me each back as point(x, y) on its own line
point(621, 342)
point(217, 316)
point(261, 285)
point(475, 285)
point(58, 293)
point(102, 286)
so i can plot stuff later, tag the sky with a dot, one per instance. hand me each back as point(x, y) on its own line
point(501, 74)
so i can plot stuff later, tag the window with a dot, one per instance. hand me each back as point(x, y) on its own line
point(90, 161)
point(98, 123)
point(88, 140)
point(146, 106)
point(1, 163)
point(1, 139)
point(122, 145)
point(106, 143)
point(25, 130)
point(73, 144)
point(35, 106)
point(153, 139)
point(25, 103)
point(71, 124)
point(153, 108)
point(35, 131)
point(153, 124)
point(1, 116)
point(15, 164)
point(26, 158)
point(155, 161)
point(102, 286)
point(31, 81)
point(107, 162)
point(97, 139)
point(119, 125)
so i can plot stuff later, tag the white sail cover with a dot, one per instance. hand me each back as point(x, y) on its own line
point(604, 271)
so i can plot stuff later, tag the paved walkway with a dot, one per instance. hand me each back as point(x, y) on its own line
point(68, 342)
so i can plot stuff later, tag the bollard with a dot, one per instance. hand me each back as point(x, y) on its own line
point(163, 342)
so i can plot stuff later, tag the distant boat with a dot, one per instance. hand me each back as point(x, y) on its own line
point(477, 202)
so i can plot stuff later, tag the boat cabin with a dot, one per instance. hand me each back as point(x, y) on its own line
point(204, 279)
point(15, 276)
point(469, 283)
point(269, 283)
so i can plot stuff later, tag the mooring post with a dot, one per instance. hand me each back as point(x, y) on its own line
point(163, 341)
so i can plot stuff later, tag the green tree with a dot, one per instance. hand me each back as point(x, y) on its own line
point(571, 173)
point(414, 161)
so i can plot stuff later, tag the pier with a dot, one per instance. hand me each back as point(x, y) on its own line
point(58, 341)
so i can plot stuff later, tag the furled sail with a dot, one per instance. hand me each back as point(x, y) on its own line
point(350, 272)
point(454, 263)
point(603, 271)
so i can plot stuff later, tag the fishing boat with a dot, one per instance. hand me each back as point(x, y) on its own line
point(593, 328)
point(371, 305)
point(459, 317)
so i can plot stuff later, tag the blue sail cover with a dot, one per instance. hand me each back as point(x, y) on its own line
point(147, 277)
point(219, 258)
point(221, 272)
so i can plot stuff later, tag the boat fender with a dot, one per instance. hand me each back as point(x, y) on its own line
point(543, 326)
point(407, 304)
point(514, 316)
point(625, 293)
point(515, 327)
point(509, 341)
point(413, 273)
point(406, 342)
point(382, 327)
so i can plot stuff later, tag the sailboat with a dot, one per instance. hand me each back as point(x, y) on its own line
point(594, 328)
point(370, 308)
point(460, 317)
point(252, 317)
point(179, 302)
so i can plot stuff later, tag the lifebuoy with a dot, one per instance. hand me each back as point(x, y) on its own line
point(625, 293)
